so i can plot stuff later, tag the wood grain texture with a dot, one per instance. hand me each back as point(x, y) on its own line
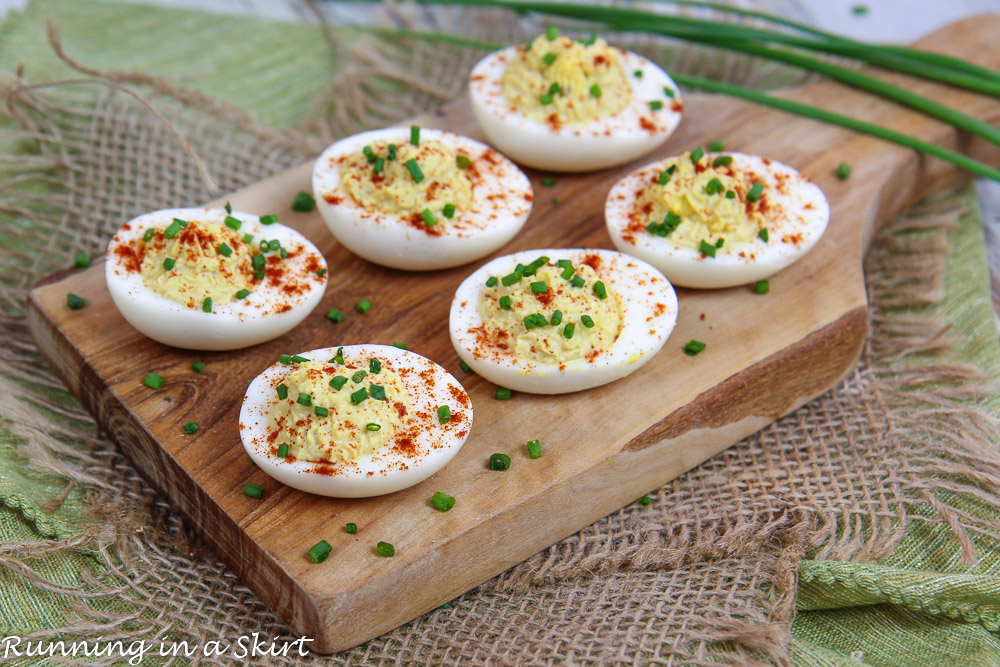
point(766, 356)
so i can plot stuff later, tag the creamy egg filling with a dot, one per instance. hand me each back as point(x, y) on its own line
point(565, 81)
point(197, 260)
point(703, 200)
point(337, 413)
point(551, 312)
point(409, 180)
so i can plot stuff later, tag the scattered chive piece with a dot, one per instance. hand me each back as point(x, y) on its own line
point(491, 281)
point(554, 88)
point(282, 391)
point(720, 242)
point(248, 239)
point(762, 287)
point(600, 291)
point(843, 171)
point(206, 305)
point(234, 223)
point(224, 249)
point(539, 287)
point(663, 178)
point(464, 366)
point(359, 395)
point(578, 281)
point(442, 501)
point(148, 236)
point(504, 302)
point(697, 154)
point(511, 278)
point(253, 490)
point(401, 346)
point(197, 367)
point(374, 366)
point(730, 194)
point(544, 99)
point(534, 448)
point(669, 92)
point(756, 190)
point(334, 315)
point(414, 170)
point(444, 414)
point(552, 32)
point(320, 412)
point(319, 551)
point(303, 202)
point(392, 152)
point(168, 263)
point(502, 394)
point(534, 320)
point(282, 451)
point(428, 217)
point(378, 392)
point(351, 528)
point(548, 182)
point(363, 306)
point(693, 347)
point(372, 426)
point(448, 211)
point(586, 321)
point(655, 105)
point(297, 359)
point(567, 273)
point(339, 357)
point(172, 230)
point(228, 207)
point(707, 248)
point(549, 58)
point(723, 161)
point(242, 294)
point(358, 377)
point(415, 135)
point(385, 549)
point(463, 162)
point(81, 261)
point(284, 254)
point(285, 359)
point(190, 428)
point(304, 399)
point(568, 330)
point(763, 235)
point(717, 146)
point(321, 272)
point(259, 260)
point(556, 318)
point(369, 154)
point(499, 461)
point(859, 10)
point(338, 382)
point(378, 166)
point(595, 90)
point(637, 74)
point(645, 501)
point(564, 263)
point(251, 461)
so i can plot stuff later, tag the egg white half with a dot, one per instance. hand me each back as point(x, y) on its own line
point(602, 143)
point(266, 313)
point(649, 312)
point(388, 468)
point(796, 214)
point(501, 203)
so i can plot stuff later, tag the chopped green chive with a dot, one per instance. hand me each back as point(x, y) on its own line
point(224, 249)
point(504, 302)
point(600, 291)
point(655, 105)
point(645, 501)
point(552, 32)
point(720, 242)
point(359, 395)
point(321, 412)
point(502, 393)
point(730, 194)
point(586, 321)
point(338, 382)
point(843, 171)
point(415, 135)
point(251, 461)
point(549, 58)
point(534, 448)
point(334, 315)
point(763, 235)
point(669, 92)
point(282, 392)
point(664, 177)
point(534, 320)
point(372, 426)
point(545, 99)
point(206, 305)
point(285, 359)
point(717, 145)
point(595, 90)
point(319, 551)
point(304, 399)
point(567, 273)
point(190, 428)
point(762, 287)
point(369, 154)
point(556, 318)
point(339, 357)
point(637, 73)
point(859, 10)
point(259, 260)
point(693, 347)
point(359, 377)
point(707, 248)
point(463, 161)
point(172, 230)
point(253, 490)
point(392, 152)
point(378, 166)
point(756, 190)
point(442, 501)
point(714, 187)
point(722, 161)
point(401, 346)
point(228, 207)
point(511, 278)
point(578, 281)
point(242, 294)
point(697, 154)
point(378, 392)
point(554, 88)
point(444, 414)
point(282, 451)
point(234, 223)
point(564, 263)
point(81, 260)
point(168, 263)
point(363, 306)
point(499, 461)
point(148, 236)
point(548, 182)
point(248, 239)
point(197, 367)
point(351, 528)
point(539, 287)
point(448, 211)
point(374, 366)
point(428, 217)
point(299, 359)
point(385, 549)
point(303, 202)
point(464, 366)
point(414, 170)
point(491, 281)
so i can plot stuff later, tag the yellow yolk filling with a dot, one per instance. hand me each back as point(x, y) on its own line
point(396, 191)
point(199, 268)
point(343, 434)
point(565, 81)
point(547, 343)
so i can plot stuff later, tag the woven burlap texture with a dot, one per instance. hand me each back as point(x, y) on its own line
point(706, 574)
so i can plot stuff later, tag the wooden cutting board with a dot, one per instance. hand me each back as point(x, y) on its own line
point(603, 448)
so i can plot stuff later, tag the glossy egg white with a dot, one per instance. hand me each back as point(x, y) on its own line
point(649, 312)
point(266, 313)
point(387, 469)
point(501, 203)
point(797, 213)
point(634, 131)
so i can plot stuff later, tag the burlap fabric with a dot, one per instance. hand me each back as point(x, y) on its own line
point(706, 574)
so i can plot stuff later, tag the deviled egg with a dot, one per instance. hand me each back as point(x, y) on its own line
point(573, 105)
